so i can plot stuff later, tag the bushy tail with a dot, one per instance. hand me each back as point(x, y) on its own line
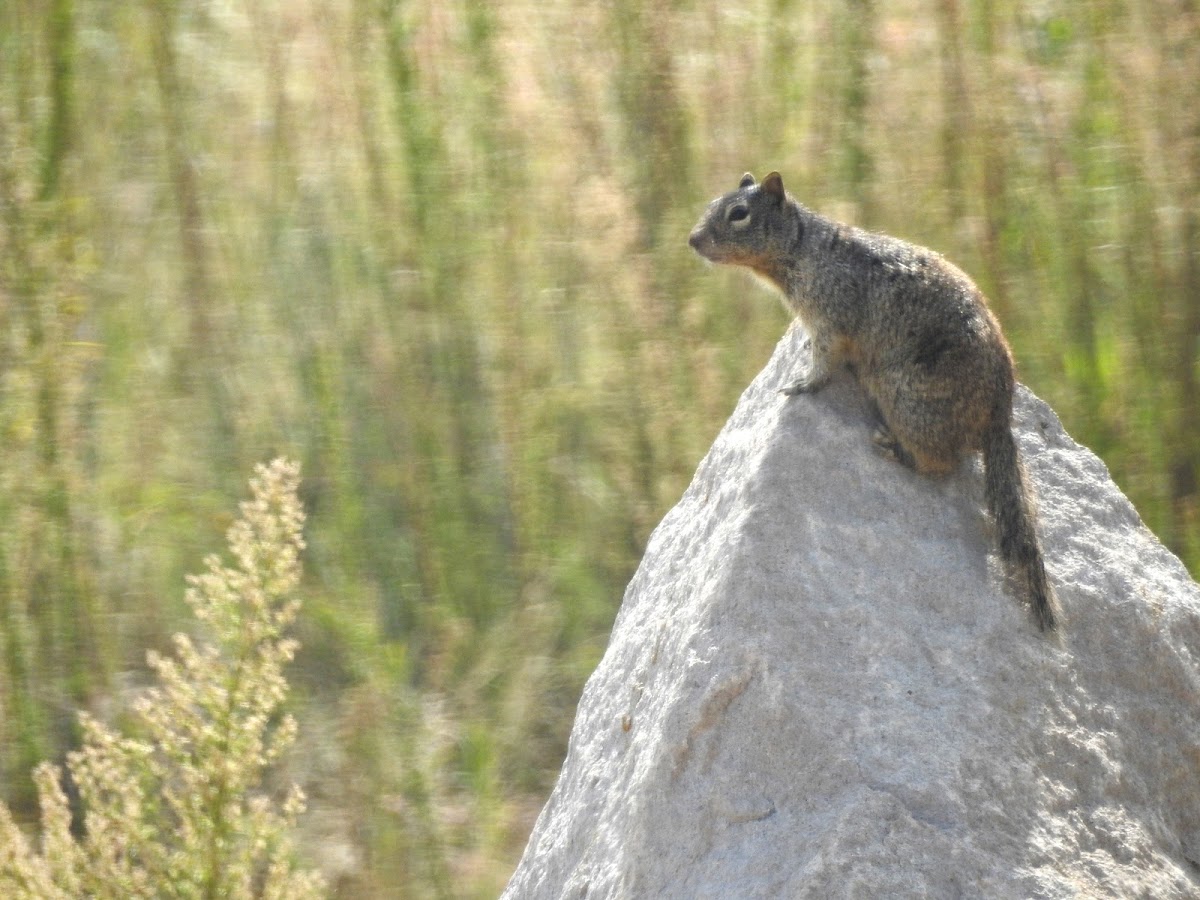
point(1009, 501)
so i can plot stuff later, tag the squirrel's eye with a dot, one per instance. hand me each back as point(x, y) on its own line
point(737, 214)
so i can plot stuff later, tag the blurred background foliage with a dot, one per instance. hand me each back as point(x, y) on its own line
point(435, 249)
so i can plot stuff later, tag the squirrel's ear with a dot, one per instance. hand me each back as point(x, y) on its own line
point(773, 185)
point(747, 181)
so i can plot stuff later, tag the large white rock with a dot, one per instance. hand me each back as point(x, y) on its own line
point(818, 685)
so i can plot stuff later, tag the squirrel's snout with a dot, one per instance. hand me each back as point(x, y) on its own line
point(701, 240)
point(696, 239)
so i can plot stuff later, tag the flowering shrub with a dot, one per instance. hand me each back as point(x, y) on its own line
point(179, 810)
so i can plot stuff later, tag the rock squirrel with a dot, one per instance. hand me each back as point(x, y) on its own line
point(915, 331)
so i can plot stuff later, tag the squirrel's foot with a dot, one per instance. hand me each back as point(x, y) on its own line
point(802, 386)
point(890, 448)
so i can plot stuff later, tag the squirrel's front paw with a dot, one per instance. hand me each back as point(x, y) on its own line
point(801, 386)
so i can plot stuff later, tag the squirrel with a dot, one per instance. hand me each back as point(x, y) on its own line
point(916, 333)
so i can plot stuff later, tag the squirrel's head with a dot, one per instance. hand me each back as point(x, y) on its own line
point(753, 226)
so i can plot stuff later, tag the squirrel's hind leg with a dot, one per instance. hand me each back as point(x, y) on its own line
point(917, 428)
point(890, 447)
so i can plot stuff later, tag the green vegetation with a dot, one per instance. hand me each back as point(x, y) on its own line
point(436, 251)
point(180, 812)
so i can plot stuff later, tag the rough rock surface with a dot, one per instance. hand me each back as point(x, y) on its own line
point(819, 685)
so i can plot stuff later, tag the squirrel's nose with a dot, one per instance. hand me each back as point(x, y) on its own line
point(694, 239)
